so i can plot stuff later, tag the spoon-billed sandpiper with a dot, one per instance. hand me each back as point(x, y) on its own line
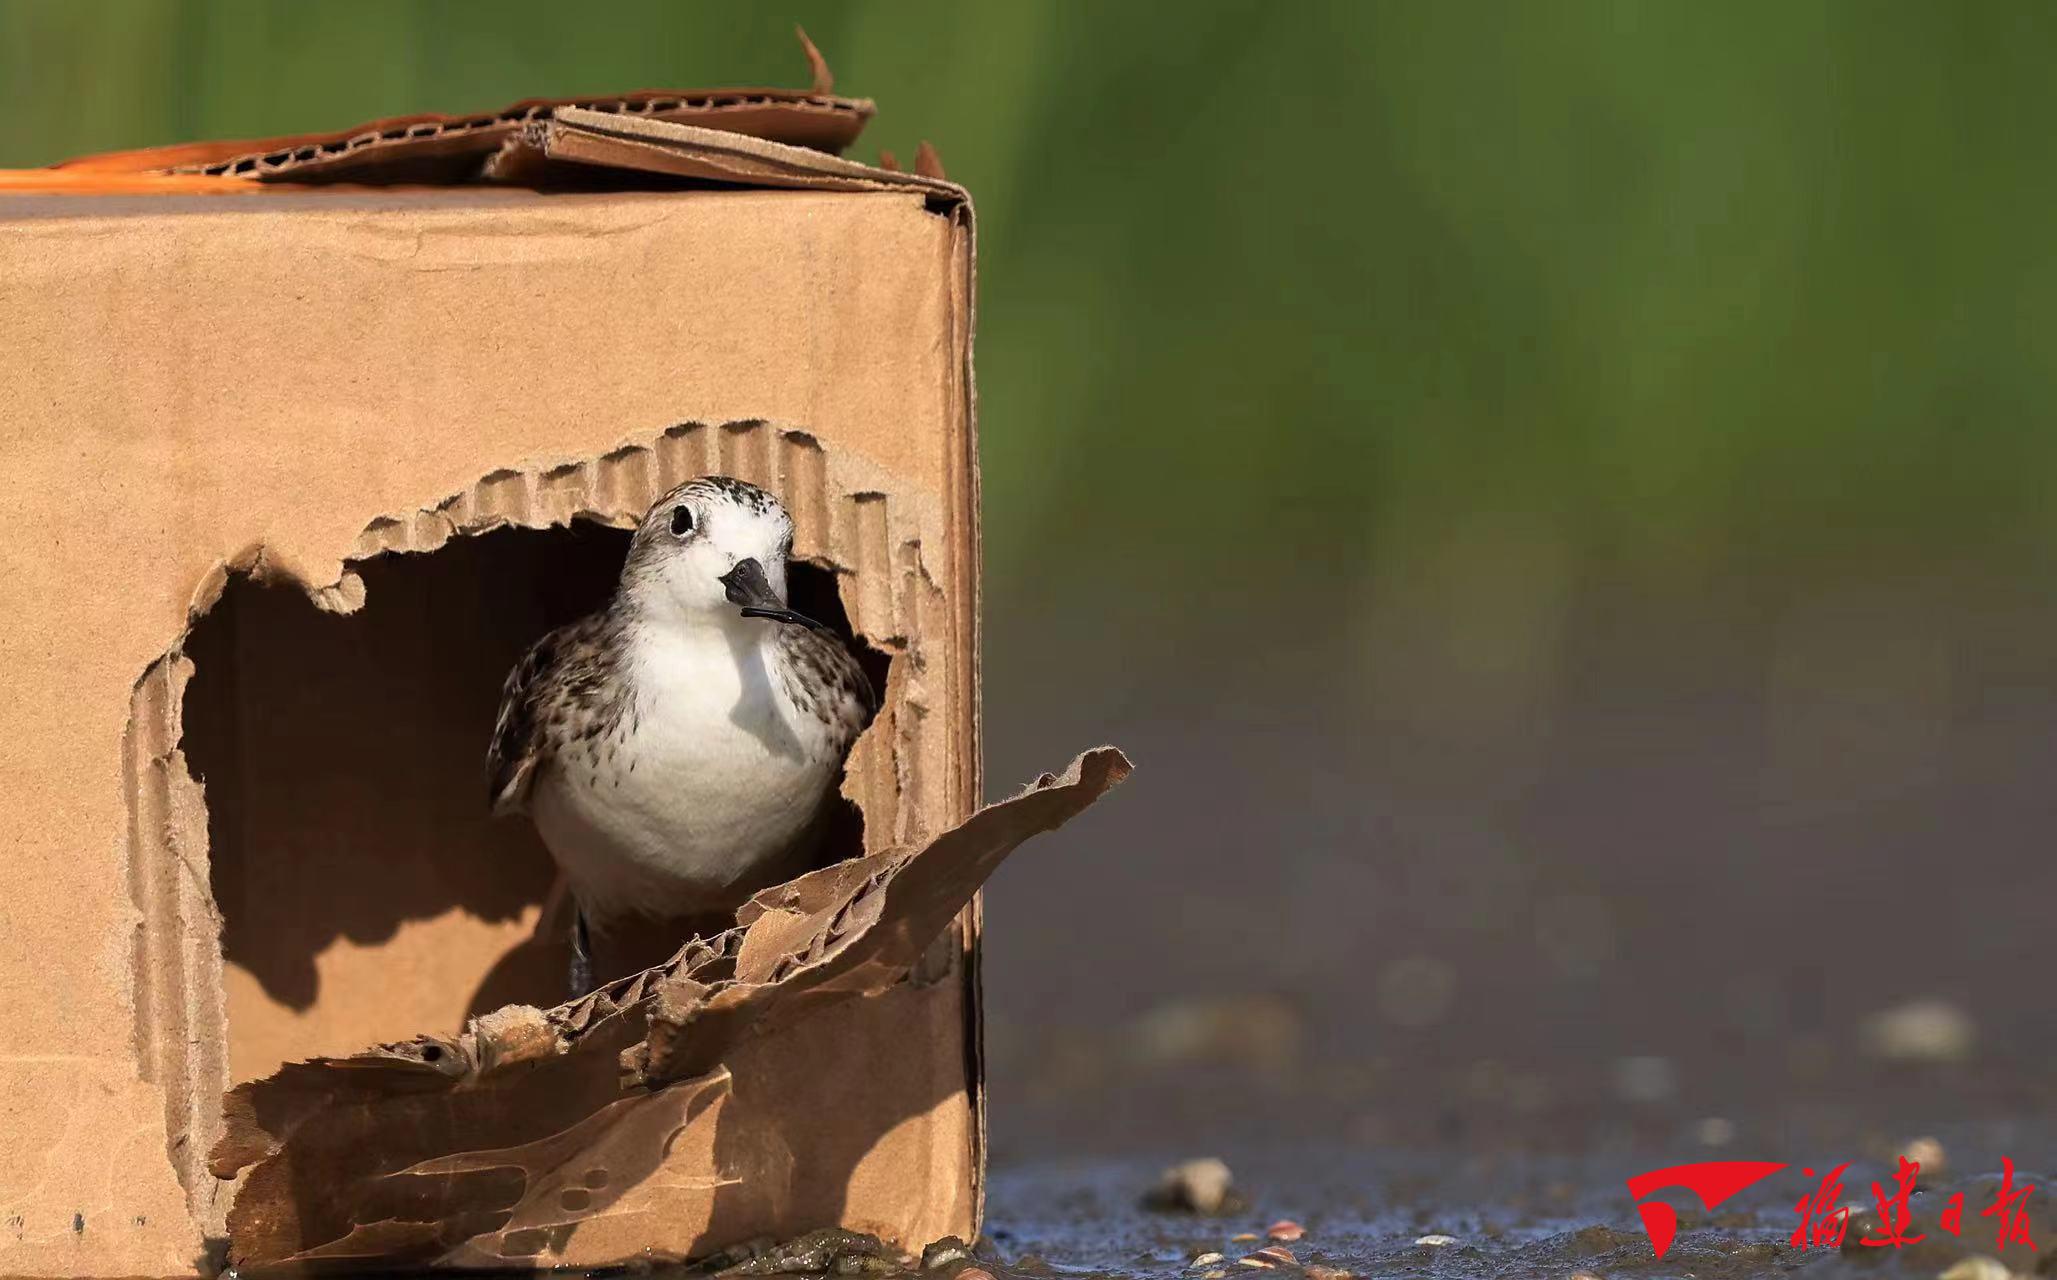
point(679, 749)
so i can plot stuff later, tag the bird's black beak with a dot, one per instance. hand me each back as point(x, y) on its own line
point(747, 586)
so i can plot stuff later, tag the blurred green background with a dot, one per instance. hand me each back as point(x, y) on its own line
point(1547, 491)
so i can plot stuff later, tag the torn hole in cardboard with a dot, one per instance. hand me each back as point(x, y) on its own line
point(363, 897)
point(244, 692)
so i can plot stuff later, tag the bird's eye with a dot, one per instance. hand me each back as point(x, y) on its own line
point(681, 521)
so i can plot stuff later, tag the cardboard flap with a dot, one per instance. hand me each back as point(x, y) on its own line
point(448, 149)
point(675, 149)
point(428, 147)
point(502, 1143)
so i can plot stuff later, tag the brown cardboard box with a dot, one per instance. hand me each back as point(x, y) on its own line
point(292, 477)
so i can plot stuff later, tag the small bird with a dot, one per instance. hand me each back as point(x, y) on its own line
point(679, 749)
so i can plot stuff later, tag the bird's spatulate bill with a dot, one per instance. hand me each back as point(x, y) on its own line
point(748, 587)
point(545, 1127)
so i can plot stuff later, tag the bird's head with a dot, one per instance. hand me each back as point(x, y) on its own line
point(713, 552)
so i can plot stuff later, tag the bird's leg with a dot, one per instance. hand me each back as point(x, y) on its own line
point(581, 975)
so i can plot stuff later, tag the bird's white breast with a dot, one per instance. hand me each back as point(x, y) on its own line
point(706, 783)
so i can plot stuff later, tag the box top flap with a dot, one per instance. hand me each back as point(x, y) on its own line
point(594, 139)
point(445, 150)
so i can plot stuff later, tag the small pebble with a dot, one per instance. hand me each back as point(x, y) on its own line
point(1195, 1186)
point(1206, 1260)
point(1243, 1237)
point(1285, 1229)
point(1317, 1272)
point(1929, 1154)
point(1715, 1131)
point(1436, 1242)
point(1977, 1267)
point(1275, 1256)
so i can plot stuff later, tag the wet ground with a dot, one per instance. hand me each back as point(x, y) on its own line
point(1327, 1211)
point(1512, 1165)
point(1477, 1215)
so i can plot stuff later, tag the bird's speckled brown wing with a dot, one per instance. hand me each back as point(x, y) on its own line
point(823, 677)
point(533, 691)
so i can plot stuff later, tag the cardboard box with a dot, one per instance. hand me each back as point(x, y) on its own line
point(295, 470)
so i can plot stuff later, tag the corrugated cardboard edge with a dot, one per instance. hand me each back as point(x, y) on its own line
point(359, 1161)
point(67, 182)
point(813, 118)
point(371, 151)
point(181, 1010)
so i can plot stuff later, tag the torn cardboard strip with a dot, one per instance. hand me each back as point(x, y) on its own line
point(543, 1137)
point(812, 118)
